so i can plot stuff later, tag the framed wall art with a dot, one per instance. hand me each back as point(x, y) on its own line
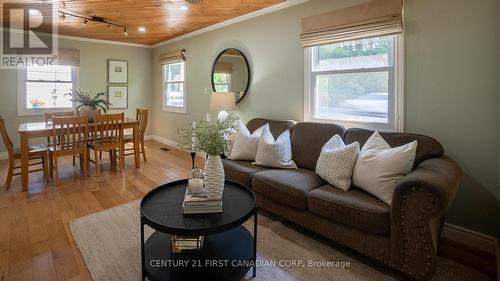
point(118, 97)
point(117, 71)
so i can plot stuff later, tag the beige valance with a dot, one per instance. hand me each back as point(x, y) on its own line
point(68, 57)
point(173, 57)
point(224, 68)
point(370, 19)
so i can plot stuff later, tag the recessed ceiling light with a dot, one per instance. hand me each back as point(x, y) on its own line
point(183, 8)
point(34, 12)
point(142, 29)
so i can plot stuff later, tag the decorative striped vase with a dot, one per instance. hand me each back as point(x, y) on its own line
point(214, 177)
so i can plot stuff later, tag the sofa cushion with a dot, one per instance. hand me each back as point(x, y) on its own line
point(427, 147)
point(307, 140)
point(240, 171)
point(276, 127)
point(355, 208)
point(289, 187)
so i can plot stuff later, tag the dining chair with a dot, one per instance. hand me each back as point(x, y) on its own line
point(49, 116)
point(142, 120)
point(36, 152)
point(69, 137)
point(107, 135)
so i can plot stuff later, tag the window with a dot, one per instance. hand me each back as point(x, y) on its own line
point(222, 82)
point(174, 98)
point(44, 88)
point(356, 83)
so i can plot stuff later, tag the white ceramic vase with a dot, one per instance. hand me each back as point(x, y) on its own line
point(214, 177)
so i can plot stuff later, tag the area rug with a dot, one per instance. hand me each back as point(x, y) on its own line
point(110, 245)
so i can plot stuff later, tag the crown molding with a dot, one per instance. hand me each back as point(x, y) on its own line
point(101, 41)
point(267, 10)
point(84, 39)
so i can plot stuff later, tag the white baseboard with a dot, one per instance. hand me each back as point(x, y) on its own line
point(4, 155)
point(470, 238)
point(170, 143)
point(164, 141)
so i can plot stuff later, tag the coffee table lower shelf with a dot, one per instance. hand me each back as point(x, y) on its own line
point(225, 256)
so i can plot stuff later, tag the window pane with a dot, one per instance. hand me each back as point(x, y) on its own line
point(49, 73)
point(174, 94)
point(358, 97)
point(358, 54)
point(222, 88)
point(221, 78)
point(48, 95)
point(174, 72)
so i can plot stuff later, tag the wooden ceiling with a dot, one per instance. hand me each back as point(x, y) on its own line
point(163, 19)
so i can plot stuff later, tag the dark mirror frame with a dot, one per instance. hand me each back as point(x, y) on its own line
point(248, 70)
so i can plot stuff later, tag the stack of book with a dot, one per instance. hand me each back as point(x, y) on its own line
point(201, 204)
point(186, 244)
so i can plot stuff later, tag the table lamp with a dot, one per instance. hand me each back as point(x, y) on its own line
point(223, 102)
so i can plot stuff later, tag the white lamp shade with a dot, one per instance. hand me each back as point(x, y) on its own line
point(223, 102)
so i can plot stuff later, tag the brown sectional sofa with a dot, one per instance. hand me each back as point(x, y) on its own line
point(403, 236)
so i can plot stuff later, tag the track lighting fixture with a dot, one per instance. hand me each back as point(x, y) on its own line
point(97, 19)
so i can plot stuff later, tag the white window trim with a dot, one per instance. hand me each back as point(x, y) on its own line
point(21, 94)
point(398, 84)
point(174, 109)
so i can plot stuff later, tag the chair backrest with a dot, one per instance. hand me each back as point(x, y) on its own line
point(49, 116)
point(5, 138)
point(69, 132)
point(108, 129)
point(142, 118)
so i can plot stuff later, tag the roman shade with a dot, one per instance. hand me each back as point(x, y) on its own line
point(68, 57)
point(173, 57)
point(370, 19)
point(226, 68)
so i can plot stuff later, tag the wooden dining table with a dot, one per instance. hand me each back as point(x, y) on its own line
point(33, 130)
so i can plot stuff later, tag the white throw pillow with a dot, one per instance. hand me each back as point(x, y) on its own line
point(379, 167)
point(275, 153)
point(245, 144)
point(336, 162)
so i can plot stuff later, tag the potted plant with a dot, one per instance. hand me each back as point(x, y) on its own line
point(211, 138)
point(88, 105)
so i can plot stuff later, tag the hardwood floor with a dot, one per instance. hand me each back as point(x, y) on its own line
point(35, 239)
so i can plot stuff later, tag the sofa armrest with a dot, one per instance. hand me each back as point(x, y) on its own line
point(417, 213)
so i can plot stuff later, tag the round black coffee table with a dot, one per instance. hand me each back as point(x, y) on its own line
point(229, 249)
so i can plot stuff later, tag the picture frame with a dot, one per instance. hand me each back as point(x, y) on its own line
point(118, 96)
point(117, 71)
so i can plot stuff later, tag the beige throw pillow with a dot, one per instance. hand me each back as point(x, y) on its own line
point(336, 162)
point(275, 153)
point(245, 145)
point(379, 167)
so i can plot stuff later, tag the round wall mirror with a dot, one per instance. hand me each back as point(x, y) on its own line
point(231, 73)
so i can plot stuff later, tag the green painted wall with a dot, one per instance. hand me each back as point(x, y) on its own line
point(92, 78)
point(452, 85)
point(452, 89)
